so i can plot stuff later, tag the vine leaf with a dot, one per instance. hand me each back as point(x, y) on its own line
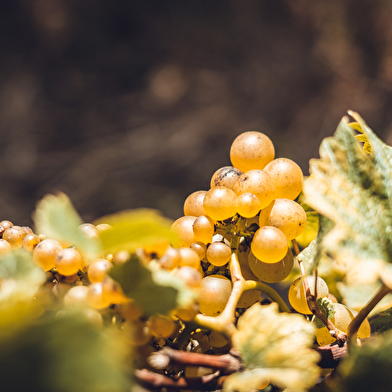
point(275, 347)
point(354, 191)
point(57, 218)
point(155, 291)
point(383, 322)
point(133, 229)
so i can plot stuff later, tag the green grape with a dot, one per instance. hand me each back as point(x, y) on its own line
point(161, 326)
point(297, 297)
point(218, 254)
point(269, 244)
point(200, 248)
point(68, 262)
point(219, 203)
point(251, 150)
point(218, 339)
point(288, 177)
point(191, 276)
point(189, 257)
point(130, 310)
point(5, 247)
point(14, 235)
point(248, 205)
point(45, 253)
point(30, 242)
point(193, 205)
point(95, 297)
point(170, 259)
point(76, 297)
point(258, 183)
point(183, 227)
point(287, 215)
point(214, 294)
point(98, 269)
point(248, 297)
point(272, 272)
point(203, 229)
point(225, 176)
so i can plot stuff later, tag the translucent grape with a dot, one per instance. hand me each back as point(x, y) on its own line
point(14, 235)
point(248, 205)
point(218, 254)
point(5, 247)
point(130, 310)
point(170, 259)
point(191, 276)
point(218, 339)
point(4, 225)
point(95, 297)
point(76, 297)
point(30, 242)
point(188, 313)
point(200, 248)
point(45, 253)
point(286, 215)
point(297, 296)
point(98, 269)
point(272, 272)
point(68, 261)
point(137, 333)
point(259, 183)
point(251, 150)
point(161, 326)
point(203, 229)
point(288, 177)
point(214, 294)
point(183, 227)
point(193, 205)
point(188, 257)
point(219, 203)
point(225, 176)
point(112, 291)
point(269, 244)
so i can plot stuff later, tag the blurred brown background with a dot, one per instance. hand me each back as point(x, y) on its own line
point(124, 104)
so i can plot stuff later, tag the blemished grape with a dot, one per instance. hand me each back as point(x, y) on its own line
point(98, 269)
point(248, 205)
point(5, 247)
point(218, 254)
point(272, 272)
point(68, 262)
point(75, 297)
point(191, 276)
point(259, 183)
point(45, 253)
point(225, 176)
point(161, 326)
point(297, 296)
point(288, 177)
point(214, 294)
point(14, 235)
point(251, 150)
point(269, 244)
point(189, 257)
point(200, 248)
point(193, 205)
point(286, 215)
point(4, 225)
point(203, 229)
point(30, 242)
point(219, 203)
point(183, 227)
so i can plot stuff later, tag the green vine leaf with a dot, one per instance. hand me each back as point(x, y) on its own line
point(275, 347)
point(383, 322)
point(326, 306)
point(57, 218)
point(155, 291)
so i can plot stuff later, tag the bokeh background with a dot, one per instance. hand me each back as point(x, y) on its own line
point(128, 103)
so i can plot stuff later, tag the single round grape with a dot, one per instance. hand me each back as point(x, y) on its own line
point(161, 326)
point(137, 333)
point(5, 247)
point(60, 290)
point(4, 225)
point(95, 297)
point(193, 205)
point(93, 317)
point(200, 248)
point(203, 229)
point(248, 205)
point(269, 244)
point(218, 254)
point(214, 294)
point(191, 276)
point(14, 235)
point(89, 230)
point(186, 313)
point(112, 291)
point(98, 269)
point(248, 297)
point(170, 259)
point(183, 227)
point(189, 257)
point(259, 183)
point(297, 296)
point(68, 262)
point(286, 215)
point(218, 339)
point(272, 272)
point(45, 253)
point(251, 150)
point(30, 242)
point(225, 176)
point(130, 310)
point(288, 177)
point(76, 297)
point(219, 203)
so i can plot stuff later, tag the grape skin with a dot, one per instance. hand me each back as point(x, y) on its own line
point(269, 244)
point(214, 294)
point(203, 229)
point(15, 235)
point(98, 269)
point(218, 254)
point(68, 262)
point(248, 297)
point(219, 203)
point(183, 227)
point(225, 176)
point(5, 247)
point(193, 205)
point(248, 205)
point(44, 254)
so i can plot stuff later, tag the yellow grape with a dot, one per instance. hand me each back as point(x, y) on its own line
point(269, 244)
point(288, 177)
point(200, 248)
point(218, 254)
point(183, 227)
point(191, 276)
point(95, 297)
point(45, 253)
point(171, 259)
point(248, 297)
point(218, 339)
point(189, 257)
point(30, 242)
point(130, 310)
point(193, 205)
point(188, 313)
point(203, 229)
point(68, 262)
point(251, 150)
point(137, 333)
point(259, 183)
point(219, 203)
point(75, 297)
point(214, 294)
point(4, 225)
point(225, 176)
point(161, 326)
point(112, 291)
point(89, 230)
point(98, 269)
point(5, 247)
point(248, 205)
point(14, 235)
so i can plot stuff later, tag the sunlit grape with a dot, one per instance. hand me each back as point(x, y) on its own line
point(189, 257)
point(193, 205)
point(269, 244)
point(219, 203)
point(200, 248)
point(183, 227)
point(5, 247)
point(161, 326)
point(98, 269)
point(203, 229)
point(218, 254)
point(30, 242)
point(248, 205)
point(14, 235)
point(68, 261)
point(45, 253)
point(225, 176)
point(76, 297)
point(214, 294)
